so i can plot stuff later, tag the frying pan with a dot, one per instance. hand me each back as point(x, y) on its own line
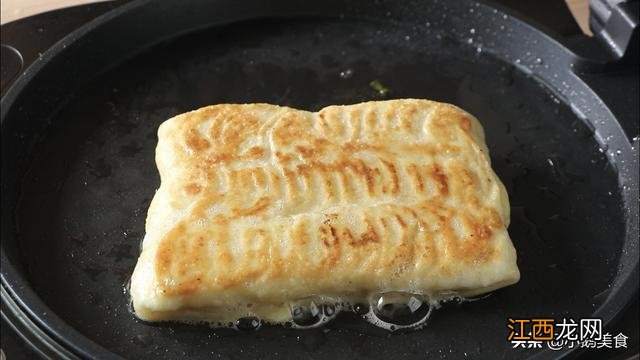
point(79, 132)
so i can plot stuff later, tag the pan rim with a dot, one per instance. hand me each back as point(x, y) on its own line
point(22, 295)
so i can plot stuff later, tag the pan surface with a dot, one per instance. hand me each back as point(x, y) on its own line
point(89, 176)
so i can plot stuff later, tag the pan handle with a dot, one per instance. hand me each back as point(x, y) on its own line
point(607, 62)
point(615, 24)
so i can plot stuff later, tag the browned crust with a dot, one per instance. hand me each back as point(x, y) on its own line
point(348, 159)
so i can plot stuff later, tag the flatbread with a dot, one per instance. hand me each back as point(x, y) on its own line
point(263, 205)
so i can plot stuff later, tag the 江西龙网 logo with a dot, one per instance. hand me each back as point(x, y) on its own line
point(566, 333)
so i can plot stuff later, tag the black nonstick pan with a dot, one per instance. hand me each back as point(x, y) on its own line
point(78, 173)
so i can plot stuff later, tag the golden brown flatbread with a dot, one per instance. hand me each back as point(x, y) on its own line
point(261, 205)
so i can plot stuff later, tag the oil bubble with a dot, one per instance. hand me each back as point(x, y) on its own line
point(360, 309)
point(250, 323)
point(329, 310)
point(398, 310)
point(346, 74)
point(306, 313)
